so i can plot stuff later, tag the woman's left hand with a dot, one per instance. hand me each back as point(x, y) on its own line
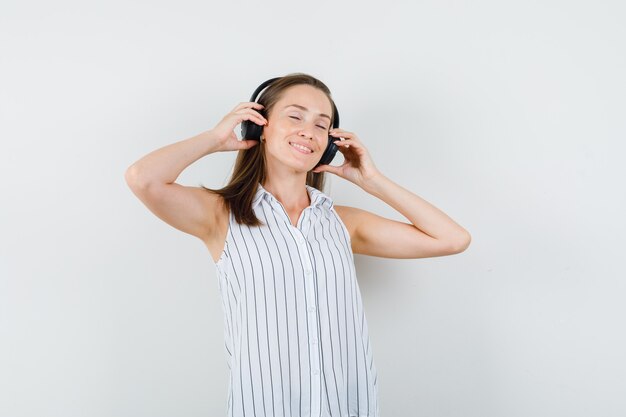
point(358, 166)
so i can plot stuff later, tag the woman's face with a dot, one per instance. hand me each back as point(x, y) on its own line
point(302, 117)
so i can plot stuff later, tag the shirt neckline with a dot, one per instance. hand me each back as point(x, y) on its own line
point(317, 197)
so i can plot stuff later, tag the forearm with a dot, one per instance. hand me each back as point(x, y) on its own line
point(426, 217)
point(165, 164)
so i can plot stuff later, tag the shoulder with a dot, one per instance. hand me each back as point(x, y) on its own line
point(350, 217)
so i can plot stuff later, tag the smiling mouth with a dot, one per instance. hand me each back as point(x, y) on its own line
point(300, 148)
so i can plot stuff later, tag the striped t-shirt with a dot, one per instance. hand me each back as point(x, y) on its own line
point(296, 337)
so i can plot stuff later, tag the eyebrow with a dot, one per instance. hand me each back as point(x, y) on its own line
point(305, 109)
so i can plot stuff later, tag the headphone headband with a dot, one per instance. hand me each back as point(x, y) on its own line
point(261, 87)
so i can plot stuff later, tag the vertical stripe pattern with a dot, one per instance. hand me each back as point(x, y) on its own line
point(296, 337)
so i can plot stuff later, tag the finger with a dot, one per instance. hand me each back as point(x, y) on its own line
point(247, 104)
point(250, 143)
point(326, 168)
point(240, 106)
point(343, 134)
point(249, 114)
point(338, 135)
point(251, 111)
point(342, 147)
point(254, 119)
point(345, 142)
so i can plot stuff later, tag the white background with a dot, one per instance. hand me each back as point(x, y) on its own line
point(508, 116)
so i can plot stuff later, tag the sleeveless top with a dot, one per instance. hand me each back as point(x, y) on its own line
point(296, 337)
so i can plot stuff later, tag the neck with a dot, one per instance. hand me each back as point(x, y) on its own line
point(291, 191)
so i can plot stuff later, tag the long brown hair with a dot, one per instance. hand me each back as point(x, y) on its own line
point(249, 169)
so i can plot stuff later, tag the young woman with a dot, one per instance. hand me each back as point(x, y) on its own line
point(296, 337)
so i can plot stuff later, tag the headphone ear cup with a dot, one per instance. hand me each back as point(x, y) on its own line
point(250, 130)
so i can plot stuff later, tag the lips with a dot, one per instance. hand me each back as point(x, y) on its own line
point(299, 149)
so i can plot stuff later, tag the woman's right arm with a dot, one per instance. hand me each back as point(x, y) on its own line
point(192, 210)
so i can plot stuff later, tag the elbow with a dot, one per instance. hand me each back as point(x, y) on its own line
point(130, 176)
point(134, 179)
point(462, 243)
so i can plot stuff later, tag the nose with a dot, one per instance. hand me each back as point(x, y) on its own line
point(305, 133)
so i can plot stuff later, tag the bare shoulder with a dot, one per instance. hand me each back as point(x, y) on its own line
point(349, 216)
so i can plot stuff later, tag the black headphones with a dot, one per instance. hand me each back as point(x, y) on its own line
point(253, 131)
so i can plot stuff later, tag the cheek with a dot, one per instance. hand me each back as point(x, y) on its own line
point(278, 133)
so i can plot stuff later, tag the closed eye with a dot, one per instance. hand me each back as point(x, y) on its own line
point(320, 126)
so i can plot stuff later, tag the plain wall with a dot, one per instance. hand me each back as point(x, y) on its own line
point(508, 116)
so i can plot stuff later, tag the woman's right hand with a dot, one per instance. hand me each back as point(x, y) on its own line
point(224, 131)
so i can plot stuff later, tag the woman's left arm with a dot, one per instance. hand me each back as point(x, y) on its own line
point(432, 232)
